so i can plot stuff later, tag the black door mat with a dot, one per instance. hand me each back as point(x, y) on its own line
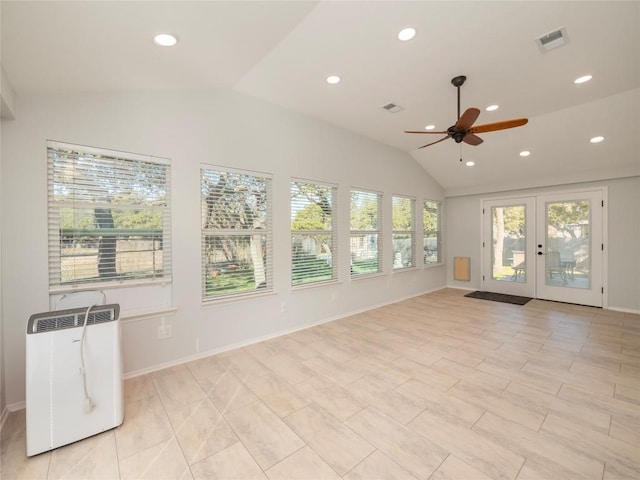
point(499, 297)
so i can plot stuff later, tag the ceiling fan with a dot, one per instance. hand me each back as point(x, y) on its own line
point(463, 130)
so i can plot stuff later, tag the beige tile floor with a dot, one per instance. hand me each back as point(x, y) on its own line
point(436, 387)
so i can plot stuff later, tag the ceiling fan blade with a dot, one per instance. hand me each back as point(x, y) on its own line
point(467, 119)
point(422, 131)
point(433, 143)
point(490, 127)
point(472, 139)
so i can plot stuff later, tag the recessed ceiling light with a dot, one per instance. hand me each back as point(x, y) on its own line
point(582, 79)
point(597, 139)
point(429, 127)
point(406, 34)
point(333, 79)
point(470, 163)
point(525, 153)
point(165, 40)
point(491, 108)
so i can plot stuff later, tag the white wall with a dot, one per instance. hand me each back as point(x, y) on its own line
point(464, 236)
point(217, 127)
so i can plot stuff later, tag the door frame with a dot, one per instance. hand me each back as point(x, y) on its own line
point(486, 242)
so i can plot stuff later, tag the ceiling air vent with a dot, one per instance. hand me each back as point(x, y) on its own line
point(392, 108)
point(552, 40)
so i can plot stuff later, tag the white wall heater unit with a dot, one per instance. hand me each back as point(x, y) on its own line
point(74, 385)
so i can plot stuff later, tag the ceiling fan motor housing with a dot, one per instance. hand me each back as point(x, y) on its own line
point(457, 135)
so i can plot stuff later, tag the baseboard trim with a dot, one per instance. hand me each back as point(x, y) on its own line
point(624, 310)
point(466, 289)
point(3, 418)
point(253, 341)
point(14, 407)
point(197, 356)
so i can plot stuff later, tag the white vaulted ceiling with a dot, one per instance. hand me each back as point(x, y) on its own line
point(282, 52)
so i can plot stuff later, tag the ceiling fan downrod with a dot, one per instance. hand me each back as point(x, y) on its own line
point(458, 82)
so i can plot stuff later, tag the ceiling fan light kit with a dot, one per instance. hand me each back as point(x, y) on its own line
point(463, 130)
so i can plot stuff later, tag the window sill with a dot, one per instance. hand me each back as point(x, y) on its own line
point(62, 289)
point(307, 286)
point(405, 269)
point(137, 315)
point(211, 302)
point(437, 264)
point(369, 275)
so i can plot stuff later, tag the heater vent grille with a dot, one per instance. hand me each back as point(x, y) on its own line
point(392, 108)
point(553, 39)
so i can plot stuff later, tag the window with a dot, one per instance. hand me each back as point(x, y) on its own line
point(109, 218)
point(313, 233)
point(403, 235)
point(431, 215)
point(236, 233)
point(366, 233)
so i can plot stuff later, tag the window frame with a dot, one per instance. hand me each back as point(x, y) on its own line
point(403, 232)
point(83, 196)
point(266, 247)
point(378, 232)
point(332, 233)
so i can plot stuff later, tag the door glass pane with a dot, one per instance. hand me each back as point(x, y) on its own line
point(568, 249)
point(509, 241)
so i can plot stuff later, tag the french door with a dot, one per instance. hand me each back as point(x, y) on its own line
point(508, 245)
point(547, 246)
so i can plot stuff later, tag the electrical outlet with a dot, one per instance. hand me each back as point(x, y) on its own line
point(164, 331)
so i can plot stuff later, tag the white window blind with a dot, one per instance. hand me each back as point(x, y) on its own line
point(431, 220)
point(366, 233)
point(109, 218)
point(403, 235)
point(313, 232)
point(236, 233)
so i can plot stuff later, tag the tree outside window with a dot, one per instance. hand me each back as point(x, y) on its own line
point(236, 233)
point(313, 233)
point(366, 233)
point(109, 218)
point(431, 218)
point(403, 235)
